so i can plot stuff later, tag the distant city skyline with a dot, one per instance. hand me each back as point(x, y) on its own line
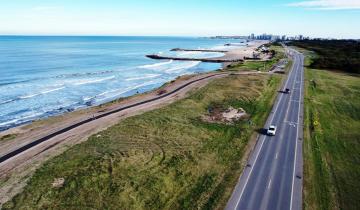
point(265, 36)
point(314, 18)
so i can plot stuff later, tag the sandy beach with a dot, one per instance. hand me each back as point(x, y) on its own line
point(244, 52)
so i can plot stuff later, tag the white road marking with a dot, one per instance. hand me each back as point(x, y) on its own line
point(276, 156)
point(290, 122)
point(269, 185)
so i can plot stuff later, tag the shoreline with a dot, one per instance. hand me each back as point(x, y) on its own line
point(83, 109)
point(88, 112)
point(107, 105)
point(231, 54)
point(160, 95)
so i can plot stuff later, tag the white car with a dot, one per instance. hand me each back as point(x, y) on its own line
point(272, 130)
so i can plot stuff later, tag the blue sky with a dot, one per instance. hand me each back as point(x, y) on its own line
point(315, 18)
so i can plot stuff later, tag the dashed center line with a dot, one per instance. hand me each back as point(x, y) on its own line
point(269, 184)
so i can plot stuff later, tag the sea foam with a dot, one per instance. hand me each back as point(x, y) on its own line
point(91, 81)
point(183, 65)
point(147, 76)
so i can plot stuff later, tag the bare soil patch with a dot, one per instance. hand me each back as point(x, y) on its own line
point(229, 115)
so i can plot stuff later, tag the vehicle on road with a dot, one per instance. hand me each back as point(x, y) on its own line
point(287, 91)
point(272, 130)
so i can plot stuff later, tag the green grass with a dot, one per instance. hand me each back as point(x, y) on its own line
point(250, 65)
point(8, 137)
point(331, 147)
point(163, 159)
point(247, 66)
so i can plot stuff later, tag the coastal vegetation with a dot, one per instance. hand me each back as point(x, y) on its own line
point(163, 159)
point(333, 54)
point(331, 146)
point(7, 137)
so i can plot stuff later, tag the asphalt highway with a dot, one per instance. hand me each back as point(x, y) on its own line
point(272, 178)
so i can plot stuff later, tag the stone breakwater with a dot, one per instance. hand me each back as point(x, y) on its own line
point(209, 60)
point(198, 50)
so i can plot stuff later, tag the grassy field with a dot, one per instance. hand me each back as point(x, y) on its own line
point(331, 146)
point(249, 65)
point(163, 159)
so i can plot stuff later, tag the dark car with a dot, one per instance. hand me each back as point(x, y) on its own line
point(287, 90)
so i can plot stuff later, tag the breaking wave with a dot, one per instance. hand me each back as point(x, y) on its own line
point(151, 66)
point(183, 66)
point(91, 81)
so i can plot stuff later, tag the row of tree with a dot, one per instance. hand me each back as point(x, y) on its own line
point(333, 54)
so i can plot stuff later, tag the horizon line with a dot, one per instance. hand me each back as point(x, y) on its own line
point(186, 36)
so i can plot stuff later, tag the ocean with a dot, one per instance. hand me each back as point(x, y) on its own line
point(44, 76)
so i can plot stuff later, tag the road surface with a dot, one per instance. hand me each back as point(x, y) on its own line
point(272, 178)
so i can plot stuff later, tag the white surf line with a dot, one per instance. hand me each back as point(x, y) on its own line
point(296, 143)
point(262, 143)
